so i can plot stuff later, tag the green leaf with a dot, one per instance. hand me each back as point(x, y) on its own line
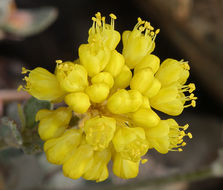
point(10, 135)
point(31, 107)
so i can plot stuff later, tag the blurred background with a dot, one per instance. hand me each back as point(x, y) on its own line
point(37, 32)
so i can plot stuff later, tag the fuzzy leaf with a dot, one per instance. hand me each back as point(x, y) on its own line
point(31, 107)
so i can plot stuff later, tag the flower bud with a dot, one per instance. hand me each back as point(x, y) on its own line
point(59, 149)
point(98, 92)
point(153, 89)
point(145, 118)
point(123, 168)
point(72, 77)
point(99, 131)
point(124, 101)
point(123, 78)
point(115, 63)
point(79, 102)
point(142, 80)
point(149, 61)
point(145, 103)
point(94, 58)
point(53, 122)
point(103, 77)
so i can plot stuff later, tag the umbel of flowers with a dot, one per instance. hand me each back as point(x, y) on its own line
point(115, 95)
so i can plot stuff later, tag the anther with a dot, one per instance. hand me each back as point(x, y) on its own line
point(59, 61)
point(185, 127)
point(139, 20)
point(191, 87)
point(98, 15)
point(193, 103)
point(183, 144)
point(192, 97)
point(113, 16)
point(189, 135)
point(144, 161)
point(141, 28)
point(94, 19)
point(24, 70)
point(19, 88)
point(157, 31)
point(186, 66)
point(180, 149)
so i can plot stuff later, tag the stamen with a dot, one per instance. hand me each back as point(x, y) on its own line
point(191, 87)
point(141, 28)
point(193, 103)
point(180, 149)
point(20, 88)
point(185, 127)
point(113, 17)
point(103, 22)
point(152, 33)
point(144, 161)
point(98, 15)
point(157, 31)
point(189, 135)
point(140, 22)
point(24, 70)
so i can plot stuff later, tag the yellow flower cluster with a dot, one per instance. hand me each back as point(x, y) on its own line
point(114, 95)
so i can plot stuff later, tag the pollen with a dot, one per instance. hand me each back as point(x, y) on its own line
point(115, 95)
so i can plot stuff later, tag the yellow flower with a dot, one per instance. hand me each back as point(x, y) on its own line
point(99, 131)
point(53, 122)
point(172, 71)
point(86, 163)
point(167, 136)
point(79, 102)
point(103, 33)
point(171, 99)
point(42, 84)
point(72, 77)
point(98, 170)
point(131, 143)
point(58, 149)
point(137, 44)
point(123, 168)
point(113, 95)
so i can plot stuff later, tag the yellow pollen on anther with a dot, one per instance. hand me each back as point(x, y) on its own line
point(189, 135)
point(193, 103)
point(185, 127)
point(113, 16)
point(59, 61)
point(144, 161)
point(19, 88)
point(24, 70)
point(157, 31)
